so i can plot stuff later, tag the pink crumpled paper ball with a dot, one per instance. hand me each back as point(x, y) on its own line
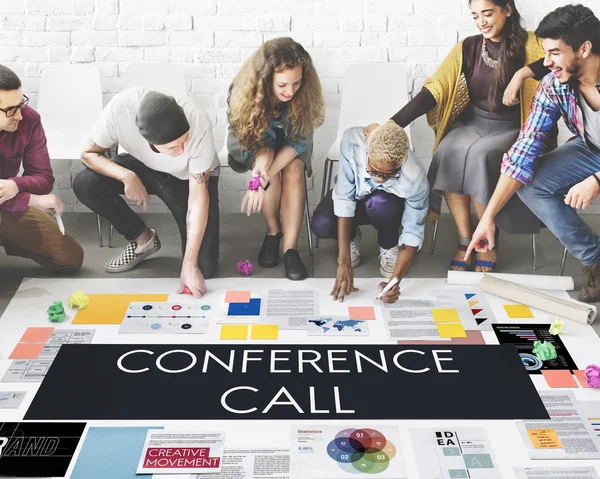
point(245, 267)
point(592, 376)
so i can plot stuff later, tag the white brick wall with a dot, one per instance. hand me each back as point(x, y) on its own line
point(211, 38)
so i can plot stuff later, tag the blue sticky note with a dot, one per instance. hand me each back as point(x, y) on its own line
point(245, 309)
point(111, 452)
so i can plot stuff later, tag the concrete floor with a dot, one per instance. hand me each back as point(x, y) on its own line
point(241, 238)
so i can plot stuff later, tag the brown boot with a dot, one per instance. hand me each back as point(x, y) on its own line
point(590, 293)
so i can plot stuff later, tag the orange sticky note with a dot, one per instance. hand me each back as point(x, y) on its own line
point(264, 331)
point(559, 378)
point(36, 335)
point(544, 439)
point(111, 308)
point(27, 351)
point(234, 331)
point(580, 375)
point(237, 297)
point(361, 313)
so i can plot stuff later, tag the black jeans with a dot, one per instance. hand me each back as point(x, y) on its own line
point(102, 195)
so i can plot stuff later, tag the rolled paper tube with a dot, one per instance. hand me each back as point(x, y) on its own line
point(570, 309)
point(470, 278)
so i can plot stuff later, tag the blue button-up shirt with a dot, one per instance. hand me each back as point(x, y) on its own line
point(353, 183)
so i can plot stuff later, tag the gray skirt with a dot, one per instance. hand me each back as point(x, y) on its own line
point(468, 161)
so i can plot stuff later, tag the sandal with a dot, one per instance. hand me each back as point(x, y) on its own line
point(489, 264)
point(463, 243)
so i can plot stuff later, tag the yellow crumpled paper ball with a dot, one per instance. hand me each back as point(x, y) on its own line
point(557, 327)
point(79, 299)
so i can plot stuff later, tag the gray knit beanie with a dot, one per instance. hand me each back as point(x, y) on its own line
point(160, 119)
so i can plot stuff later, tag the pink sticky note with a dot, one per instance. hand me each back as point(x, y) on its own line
point(358, 313)
point(36, 335)
point(27, 351)
point(237, 297)
point(580, 375)
point(559, 378)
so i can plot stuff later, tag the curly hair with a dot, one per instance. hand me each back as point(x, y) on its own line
point(388, 144)
point(250, 99)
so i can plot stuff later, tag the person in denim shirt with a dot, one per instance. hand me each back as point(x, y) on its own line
point(556, 184)
point(381, 182)
point(274, 105)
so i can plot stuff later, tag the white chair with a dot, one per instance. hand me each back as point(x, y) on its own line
point(167, 78)
point(70, 102)
point(371, 93)
point(223, 154)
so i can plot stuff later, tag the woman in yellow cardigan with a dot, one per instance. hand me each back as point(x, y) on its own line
point(473, 128)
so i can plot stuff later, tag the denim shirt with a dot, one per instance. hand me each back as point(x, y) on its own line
point(244, 158)
point(353, 183)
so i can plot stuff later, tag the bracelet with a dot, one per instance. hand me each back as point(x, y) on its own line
point(596, 178)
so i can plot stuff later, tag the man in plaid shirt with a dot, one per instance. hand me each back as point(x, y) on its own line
point(556, 184)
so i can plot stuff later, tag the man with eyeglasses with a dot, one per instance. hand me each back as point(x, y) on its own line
point(381, 182)
point(26, 203)
point(170, 153)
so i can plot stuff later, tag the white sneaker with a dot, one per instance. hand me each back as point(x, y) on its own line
point(387, 261)
point(354, 249)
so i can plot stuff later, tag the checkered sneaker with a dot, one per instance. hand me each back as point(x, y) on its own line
point(132, 255)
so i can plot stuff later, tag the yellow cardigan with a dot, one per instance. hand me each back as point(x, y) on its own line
point(449, 88)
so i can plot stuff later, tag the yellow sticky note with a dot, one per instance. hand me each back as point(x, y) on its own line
point(264, 331)
point(111, 308)
point(445, 315)
point(518, 311)
point(451, 330)
point(234, 331)
point(544, 439)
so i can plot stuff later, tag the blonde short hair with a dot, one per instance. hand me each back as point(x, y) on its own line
point(388, 144)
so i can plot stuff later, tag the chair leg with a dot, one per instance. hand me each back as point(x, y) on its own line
point(562, 263)
point(534, 251)
point(323, 187)
point(99, 231)
point(435, 231)
point(307, 216)
point(110, 235)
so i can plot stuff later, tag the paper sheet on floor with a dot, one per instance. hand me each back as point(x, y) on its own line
point(289, 308)
point(253, 463)
point(556, 473)
point(181, 452)
point(11, 400)
point(567, 435)
point(445, 453)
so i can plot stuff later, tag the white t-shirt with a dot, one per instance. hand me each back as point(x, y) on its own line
point(116, 125)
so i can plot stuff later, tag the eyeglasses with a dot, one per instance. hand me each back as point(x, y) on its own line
point(383, 176)
point(11, 111)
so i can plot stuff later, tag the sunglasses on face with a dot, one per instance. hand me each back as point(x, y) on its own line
point(381, 175)
point(12, 110)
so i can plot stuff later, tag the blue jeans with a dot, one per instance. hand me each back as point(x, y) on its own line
point(556, 173)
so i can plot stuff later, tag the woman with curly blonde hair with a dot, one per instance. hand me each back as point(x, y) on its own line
point(274, 105)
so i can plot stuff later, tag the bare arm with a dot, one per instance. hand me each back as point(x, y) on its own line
point(197, 216)
point(92, 156)
point(283, 158)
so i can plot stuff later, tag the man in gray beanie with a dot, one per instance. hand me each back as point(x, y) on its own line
point(170, 154)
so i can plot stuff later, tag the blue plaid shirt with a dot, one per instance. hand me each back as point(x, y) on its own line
point(551, 101)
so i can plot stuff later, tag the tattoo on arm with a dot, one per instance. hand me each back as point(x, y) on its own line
point(201, 178)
